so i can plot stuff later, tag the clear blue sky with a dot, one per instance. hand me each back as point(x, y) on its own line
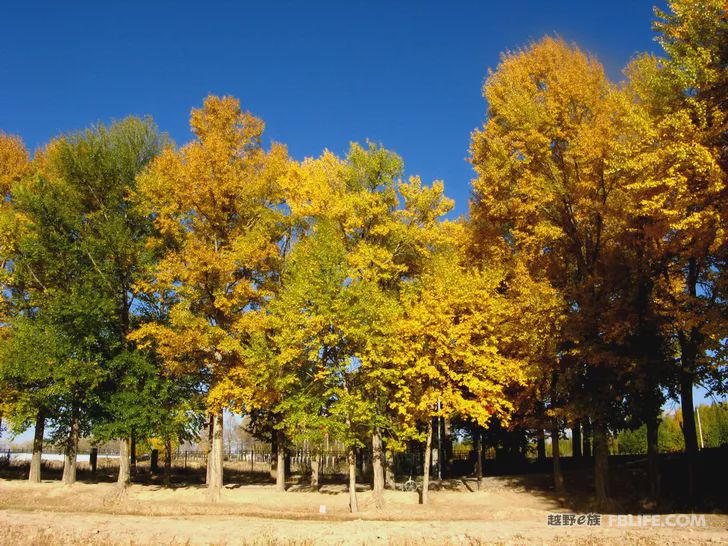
point(321, 74)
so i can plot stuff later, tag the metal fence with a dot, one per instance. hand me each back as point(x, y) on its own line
point(256, 460)
point(297, 460)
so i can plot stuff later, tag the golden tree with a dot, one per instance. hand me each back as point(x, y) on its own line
point(214, 204)
point(676, 155)
point(547, 192)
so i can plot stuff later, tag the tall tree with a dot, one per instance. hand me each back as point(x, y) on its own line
point(101, 165)
point(546, 192)
point(54, 283)
point(680, 167)
point(452, 355)
point(214, 205)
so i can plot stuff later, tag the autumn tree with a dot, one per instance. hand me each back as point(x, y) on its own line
point(680, 189)
point(322, 321)
point(25, 380)
point(546, 191)
point(461, 343)
point(214, 205)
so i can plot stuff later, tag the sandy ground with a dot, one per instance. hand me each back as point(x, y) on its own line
point(501, 513)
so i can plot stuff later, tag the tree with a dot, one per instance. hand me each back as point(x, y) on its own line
point(684, 164)
point(100, 166)
point(214, 206)
point(321, 322)
point(384, 242)
point(17, 393)
point(453, 356)
point(54, 283)
point(546, 192)
point(28, 356)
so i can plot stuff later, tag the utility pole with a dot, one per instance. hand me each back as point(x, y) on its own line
point(700, 427)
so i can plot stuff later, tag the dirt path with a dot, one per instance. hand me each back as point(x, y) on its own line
point(91, 514)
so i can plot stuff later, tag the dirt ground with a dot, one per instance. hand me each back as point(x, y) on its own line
point(503, 512)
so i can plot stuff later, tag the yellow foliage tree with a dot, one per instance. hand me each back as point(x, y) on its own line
point(215, 205)
point(465, 339)
point(549, 192)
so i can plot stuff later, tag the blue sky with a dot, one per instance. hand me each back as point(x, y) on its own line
point(321, 74)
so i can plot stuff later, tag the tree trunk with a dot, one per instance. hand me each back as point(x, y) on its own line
point(210, 428)
point(154, 462)
point(351, 456)
point(287, 459)
point(428, 458)
point(587, 437)
point(367, 472)
point(273, 454)
point(689, 345)
point(556, 457)
point(281, 461)
point(69, 460)
point(389, 474)
point(447, 447)
point(601, 463)
point(167, 462)
point(132, 450)
point(315, 468)
point(576, 440)
point(478, 456)
point(378, 469)
point(689, 429)
point(653, 462)
point(93, 460)
point(124, 471)
point(214, 486)
point(540, 445)
point(35, 462)
point(359, 465)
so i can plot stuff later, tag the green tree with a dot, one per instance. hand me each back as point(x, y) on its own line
point(322, 322)
point(101, 165)
point(60, 291)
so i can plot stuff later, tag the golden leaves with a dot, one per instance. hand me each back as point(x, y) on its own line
point(214, 204)
point(14, 161)
point(454, 343)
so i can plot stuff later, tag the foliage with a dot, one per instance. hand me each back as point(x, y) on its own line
point(144, 284)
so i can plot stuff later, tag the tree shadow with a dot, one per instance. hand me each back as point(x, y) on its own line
point(629, 485)
point(628, 481)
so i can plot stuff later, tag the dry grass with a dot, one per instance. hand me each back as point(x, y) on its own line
point(16, 534)
point(504, 512)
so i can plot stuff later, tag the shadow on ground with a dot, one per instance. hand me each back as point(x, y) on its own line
point(628, 482)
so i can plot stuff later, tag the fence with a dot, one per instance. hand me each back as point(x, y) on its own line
point(95, 458)
point(459, 462)
point(255, 460)
point(331, 462)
